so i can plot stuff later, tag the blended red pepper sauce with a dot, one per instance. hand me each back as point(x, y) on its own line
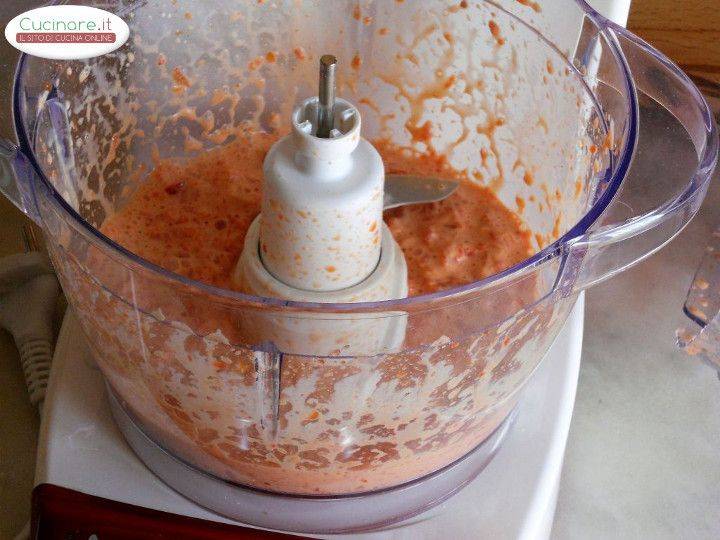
point(191, 217)
point(194, 385)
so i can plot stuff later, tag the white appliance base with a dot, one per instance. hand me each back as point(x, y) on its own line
point(81, 448)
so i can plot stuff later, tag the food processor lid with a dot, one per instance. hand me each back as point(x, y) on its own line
point(613, 178)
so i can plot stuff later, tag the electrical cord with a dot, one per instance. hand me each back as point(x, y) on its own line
point(28, 300)
point(29, 292)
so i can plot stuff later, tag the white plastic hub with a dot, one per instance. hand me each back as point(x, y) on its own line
point(321, 221)
point(387, 280)
point(327, 334)
point(320, 236)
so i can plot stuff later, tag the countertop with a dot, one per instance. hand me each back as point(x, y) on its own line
point(642, 459)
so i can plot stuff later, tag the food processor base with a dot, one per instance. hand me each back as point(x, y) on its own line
point(332, 514)
point(82, 449)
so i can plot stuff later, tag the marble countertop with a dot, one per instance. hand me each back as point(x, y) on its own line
point(642, 458)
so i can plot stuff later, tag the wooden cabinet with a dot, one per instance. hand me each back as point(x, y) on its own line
point(688, 31)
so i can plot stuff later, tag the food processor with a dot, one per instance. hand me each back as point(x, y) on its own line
point(400, 395)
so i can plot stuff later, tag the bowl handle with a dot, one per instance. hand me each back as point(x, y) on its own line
point(16, 174)
point(668, 177)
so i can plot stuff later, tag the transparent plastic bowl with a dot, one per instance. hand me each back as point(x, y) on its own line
point(231, 384)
